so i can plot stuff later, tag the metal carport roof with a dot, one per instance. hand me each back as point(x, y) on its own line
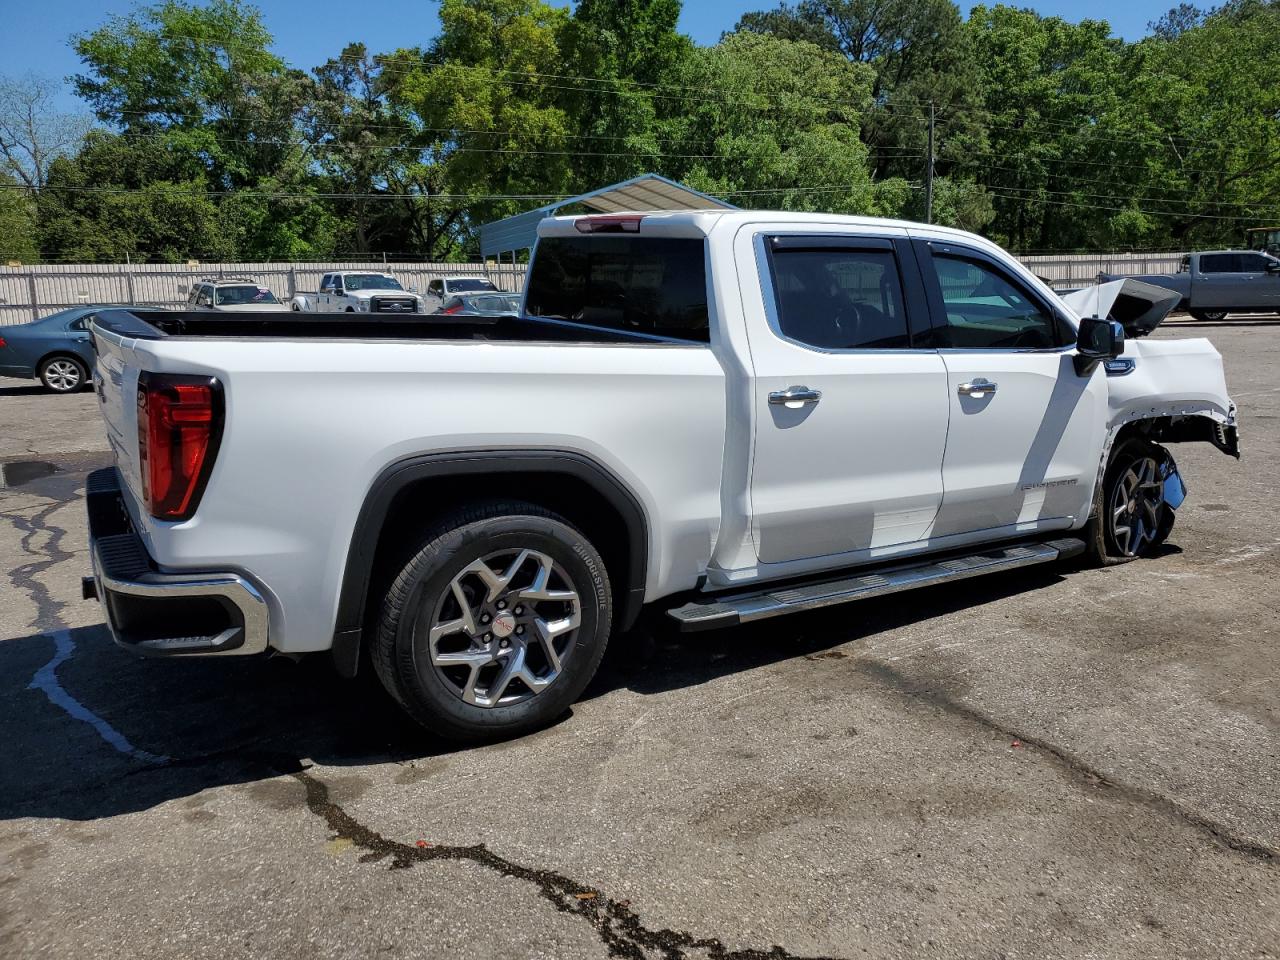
point(646, 192)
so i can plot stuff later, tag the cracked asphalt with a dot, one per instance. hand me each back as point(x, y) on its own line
point(1052, 763)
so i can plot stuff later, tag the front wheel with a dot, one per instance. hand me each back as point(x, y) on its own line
point(1209, 314)
point(1131, 518)
point(497, 623)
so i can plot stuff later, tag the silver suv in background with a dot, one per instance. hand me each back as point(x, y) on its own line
point(442, 288)
point(234, 295)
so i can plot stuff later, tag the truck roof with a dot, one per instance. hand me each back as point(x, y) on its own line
point(1202, 253)
point(692, 223)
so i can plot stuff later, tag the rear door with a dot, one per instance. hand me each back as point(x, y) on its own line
point(1217, 284)
point(1025, 429)
point(849, 395)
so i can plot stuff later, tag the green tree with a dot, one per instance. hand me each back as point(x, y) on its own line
point(487, 112)
point(1204, 102)
point(622, 61)
point(780, 123)
point(1059, 154)
point(198, 81)
point(17, 222)
point(122, 197)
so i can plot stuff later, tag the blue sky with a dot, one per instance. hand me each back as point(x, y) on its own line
point(307, 32)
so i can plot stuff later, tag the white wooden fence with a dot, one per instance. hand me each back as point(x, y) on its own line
point(29, 292)
point(1081, 270)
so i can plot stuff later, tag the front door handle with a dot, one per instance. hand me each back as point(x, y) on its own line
point(978, 388)
point(795, 397)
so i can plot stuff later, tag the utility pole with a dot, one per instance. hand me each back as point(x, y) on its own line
point(928, 173)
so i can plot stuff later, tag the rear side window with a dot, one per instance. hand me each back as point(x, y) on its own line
point(840, 299)
point(650, 285)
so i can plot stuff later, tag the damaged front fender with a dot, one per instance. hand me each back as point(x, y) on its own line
point(1175, 392)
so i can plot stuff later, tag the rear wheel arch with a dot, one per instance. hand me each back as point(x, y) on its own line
point(407, 495)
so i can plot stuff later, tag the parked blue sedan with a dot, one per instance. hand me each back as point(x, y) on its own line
point(54, 349)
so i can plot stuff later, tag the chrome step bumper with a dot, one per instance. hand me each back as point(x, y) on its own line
point(164, 614)
point(732, 610)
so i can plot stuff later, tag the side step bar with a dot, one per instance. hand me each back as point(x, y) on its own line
point(732, 610)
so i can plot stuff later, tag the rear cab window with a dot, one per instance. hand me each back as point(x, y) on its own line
point(653, 286)
point(836, 293)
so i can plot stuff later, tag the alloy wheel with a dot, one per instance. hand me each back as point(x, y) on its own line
point(62, 375)
point(504, 627)
point(1136, 503)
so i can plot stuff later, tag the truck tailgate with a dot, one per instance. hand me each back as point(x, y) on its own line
point(115, 380)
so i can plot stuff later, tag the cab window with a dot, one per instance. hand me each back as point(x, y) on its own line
point(840, 298)
point(985, 310)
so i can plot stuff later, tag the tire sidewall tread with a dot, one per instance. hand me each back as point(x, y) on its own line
point(455, 540)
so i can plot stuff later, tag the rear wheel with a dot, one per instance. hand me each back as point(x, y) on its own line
point(63, 374)
point(1131, 518)
point(1209, 314)
point(496, 624)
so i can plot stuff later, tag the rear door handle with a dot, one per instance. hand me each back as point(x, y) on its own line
point(978, 387)
point(795, 396)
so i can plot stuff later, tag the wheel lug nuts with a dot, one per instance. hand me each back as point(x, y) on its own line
point(520, 629)
point(518, 610)
point(504, 644)
point(502, 604)
point(485, 619)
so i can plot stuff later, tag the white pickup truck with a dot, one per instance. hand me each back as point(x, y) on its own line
point(359, 291)
point(727, 415)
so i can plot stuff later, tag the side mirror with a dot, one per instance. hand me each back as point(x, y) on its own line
point(1097, 340)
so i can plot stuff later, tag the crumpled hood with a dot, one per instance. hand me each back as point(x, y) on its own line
point(1138, 306)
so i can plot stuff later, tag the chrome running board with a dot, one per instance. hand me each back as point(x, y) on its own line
point(732, 610)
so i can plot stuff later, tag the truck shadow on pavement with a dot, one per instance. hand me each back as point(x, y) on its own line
point(88, 731)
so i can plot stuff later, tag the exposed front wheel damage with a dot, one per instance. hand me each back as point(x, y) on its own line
point(1133, 510)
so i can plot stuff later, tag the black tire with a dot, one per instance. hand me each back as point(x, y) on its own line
point(423, 596)
point(1209, 315)
point(63, 374)
point(1105, 547)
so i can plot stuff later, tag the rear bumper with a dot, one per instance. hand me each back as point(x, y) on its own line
point(164, 614)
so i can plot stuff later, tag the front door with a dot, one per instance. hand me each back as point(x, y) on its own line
point(1025, 428)
point(1259, 286)
point(850, 417)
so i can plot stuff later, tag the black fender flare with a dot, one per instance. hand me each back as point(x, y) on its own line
point(357, 574)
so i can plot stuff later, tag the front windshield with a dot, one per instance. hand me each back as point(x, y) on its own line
point(370, 281)
point(246, 295)
point(469, 286)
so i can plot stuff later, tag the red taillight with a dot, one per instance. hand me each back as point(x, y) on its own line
point(456, 308)
point(2, 343)
point(179, 428)
point(626, 223)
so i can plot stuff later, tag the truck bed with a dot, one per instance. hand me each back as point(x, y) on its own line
point(163, 324)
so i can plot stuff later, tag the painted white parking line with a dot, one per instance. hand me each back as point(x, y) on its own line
point(46, 679)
